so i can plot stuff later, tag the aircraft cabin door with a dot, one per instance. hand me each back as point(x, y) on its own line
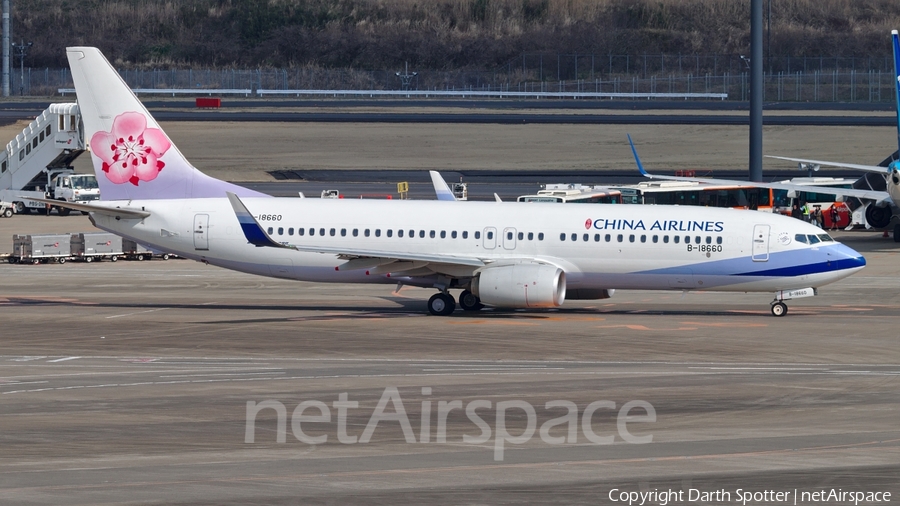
point(509, 238)
point(201, 231)
point(490, 238)
point(760, 243)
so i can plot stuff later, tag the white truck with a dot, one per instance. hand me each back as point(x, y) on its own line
point(64, 186)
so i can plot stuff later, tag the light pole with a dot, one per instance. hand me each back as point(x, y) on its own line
point(21, 50)
point(406, 78)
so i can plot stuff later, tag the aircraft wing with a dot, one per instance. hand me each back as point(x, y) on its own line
point(119, 212)
point(257, 236)
point(440, 186)
point(866, 168)
point(877, 196)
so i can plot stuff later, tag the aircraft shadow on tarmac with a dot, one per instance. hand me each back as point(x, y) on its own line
point(414, 307)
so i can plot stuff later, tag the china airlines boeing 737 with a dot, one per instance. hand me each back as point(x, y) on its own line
point(501, 254)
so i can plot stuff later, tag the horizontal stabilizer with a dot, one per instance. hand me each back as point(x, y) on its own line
point(118, 212)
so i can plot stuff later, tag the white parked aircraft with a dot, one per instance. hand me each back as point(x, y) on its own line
point(882, 206)
point(507, 255)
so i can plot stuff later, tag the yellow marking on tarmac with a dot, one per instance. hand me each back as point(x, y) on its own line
point(643, 327)
point(726, 324)
point(493, 322)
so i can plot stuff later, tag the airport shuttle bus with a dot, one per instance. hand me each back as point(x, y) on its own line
point(574, 194)
point(686, 193)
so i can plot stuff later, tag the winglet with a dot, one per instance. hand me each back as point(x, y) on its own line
point(440, 186)
point(637, 159)
point(252, 230)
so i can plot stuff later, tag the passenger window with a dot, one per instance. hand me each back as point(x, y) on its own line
point(453, 234)
point(21, 155)
point(620, 237)
point(280, 230)
point(521, 236)
point(574, 237)
point(800, 238)
point(655, 239)
point(631, 238)
point(643, 238)
point(465, 234)
point(377, 232)
point(608, 238)
point(719, 240)
point(312, 232)
point(400, 233)
point(431, 234)
point(509, 236)
point(28, 149)
point(666, 239)
point(530, 236)
point(562, 236)
point(34, 143)
point(422, 234)
point(390, 232)
point(697, 239)
point(301, 231)
point(291, 231)
point(322, 231)
point(443, 234)
point(47, 131)
point(42, 137)
point(586, 238)
point(270, 231)
point(676, 238)
point(366, 232)
point(490, 235)
point(343, 232)
point(708, 240)
point(355, 232)
point(332, 231)
point(596, 237)
point(541, 236)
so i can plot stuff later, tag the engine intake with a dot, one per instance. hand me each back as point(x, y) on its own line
point(878, 217)
point(521, 286)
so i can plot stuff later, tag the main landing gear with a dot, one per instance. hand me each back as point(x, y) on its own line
point(442, 303)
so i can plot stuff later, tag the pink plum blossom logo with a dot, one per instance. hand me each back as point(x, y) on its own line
point(130, 152)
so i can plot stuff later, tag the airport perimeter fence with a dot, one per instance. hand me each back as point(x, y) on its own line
point(791, 79)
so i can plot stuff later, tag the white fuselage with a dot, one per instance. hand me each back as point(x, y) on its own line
point(605, 246)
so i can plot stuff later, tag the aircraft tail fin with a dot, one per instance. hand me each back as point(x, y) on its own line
point(440, 186)
point(133, 158)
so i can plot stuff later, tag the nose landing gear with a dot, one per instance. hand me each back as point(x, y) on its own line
point(778, 308)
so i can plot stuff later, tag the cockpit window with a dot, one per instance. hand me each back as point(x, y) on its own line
point(813, 239)
point(800, 238)
point(825, 238)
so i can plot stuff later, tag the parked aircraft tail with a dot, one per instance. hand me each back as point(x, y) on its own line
point(132, 156)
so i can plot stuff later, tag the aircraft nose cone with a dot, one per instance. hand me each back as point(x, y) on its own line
point(848, 258)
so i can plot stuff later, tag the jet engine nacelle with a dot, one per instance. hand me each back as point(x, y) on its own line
point(878, 217)
point(521, 286)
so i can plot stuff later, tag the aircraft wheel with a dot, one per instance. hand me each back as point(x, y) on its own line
point(469, 301)
point(779, 309)
point(441, 304)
